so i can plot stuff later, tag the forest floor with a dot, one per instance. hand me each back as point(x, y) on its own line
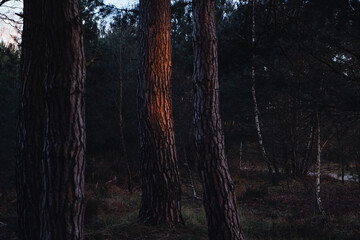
point(284, 210)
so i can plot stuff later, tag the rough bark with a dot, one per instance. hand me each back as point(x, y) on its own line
point(219, 193)
point(51, 128)
point(160, 176)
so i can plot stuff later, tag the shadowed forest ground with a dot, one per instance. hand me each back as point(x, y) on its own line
point(284, 210)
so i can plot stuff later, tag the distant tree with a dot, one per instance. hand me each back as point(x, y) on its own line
point(318, 167)
point(219, 193)
point(118, 37)
point(51, 131)
point(160, 177)
point(253, 91)
point(9, 88)
point(9, 65)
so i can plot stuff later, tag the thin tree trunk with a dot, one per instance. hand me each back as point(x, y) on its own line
point(240, 155)
point(2, 192)
point(161, 190)
point(293, 153)
point(305, 163)
point(357, 167)
point(318, 168)
point(253, 92)
point(342, 170)
point(219, 192)
point(51, 128)
point(121, 124)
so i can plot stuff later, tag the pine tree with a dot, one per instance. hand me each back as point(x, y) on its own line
point(219, 193)
point(51, 130)
point(160, 177)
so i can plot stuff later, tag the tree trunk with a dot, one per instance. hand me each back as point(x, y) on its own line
point(357, 167)
point(305, 162)
point(219, 193)
point(342, 171)
point(2, 192)
point(160, 176)
point(123, 152)
point(318, 168)
point(51, 129)
point(240, 155)
point(253, 92)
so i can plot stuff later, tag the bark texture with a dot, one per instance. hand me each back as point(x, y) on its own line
point(219, 195)
point(51, 128)
point(160, 176)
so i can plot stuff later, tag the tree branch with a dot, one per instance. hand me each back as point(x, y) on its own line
point(2, 2)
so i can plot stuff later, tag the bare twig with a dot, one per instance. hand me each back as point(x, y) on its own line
point(2, 2)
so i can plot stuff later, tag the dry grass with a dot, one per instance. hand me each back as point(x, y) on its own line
point(282, 211)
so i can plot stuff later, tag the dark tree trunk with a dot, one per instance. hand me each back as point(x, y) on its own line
point(160, 177)
point(342, 165)
point(219, 193)
point(51, 130)
point(123, 150)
